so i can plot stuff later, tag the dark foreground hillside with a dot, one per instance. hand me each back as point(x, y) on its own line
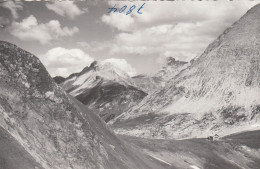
point(12, 155)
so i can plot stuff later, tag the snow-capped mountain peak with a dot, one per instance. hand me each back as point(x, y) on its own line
point(94, 74)
point(104, 87)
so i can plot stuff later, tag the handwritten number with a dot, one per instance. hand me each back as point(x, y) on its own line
point(122, 9)
point(131, 10)
point(111, 9)
point(140, 9)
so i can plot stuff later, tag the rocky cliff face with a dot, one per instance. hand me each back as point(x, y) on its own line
point(53, 128)
point(218, 93)
point(148, 83)
point(104, 88)
point(171, 68)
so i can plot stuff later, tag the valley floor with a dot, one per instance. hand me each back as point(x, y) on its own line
point(236, 151)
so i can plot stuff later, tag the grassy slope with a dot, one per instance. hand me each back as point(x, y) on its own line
point(12, 155)
point(249, 138)
point(232, 152)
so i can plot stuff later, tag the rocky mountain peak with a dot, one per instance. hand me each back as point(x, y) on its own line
point(59, 79)
point(243, 34)
point(105, 88)
point(170, 69)
point(170, 61)
point(93, 64)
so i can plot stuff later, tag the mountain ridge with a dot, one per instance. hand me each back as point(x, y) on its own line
point(104, 88)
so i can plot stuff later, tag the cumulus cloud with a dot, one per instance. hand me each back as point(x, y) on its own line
point(13, 7)
point(121, 64)
point(83, 44)
point(65, 8)
point(121, 22)
point(182, 41)
point(62, 62)
point(30, 30)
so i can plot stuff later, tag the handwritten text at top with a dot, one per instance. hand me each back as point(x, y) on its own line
point(127, 11)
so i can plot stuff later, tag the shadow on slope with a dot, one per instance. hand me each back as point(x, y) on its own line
point(232, 152)
point(249, 138)
point(117, 147)
point(12, 155)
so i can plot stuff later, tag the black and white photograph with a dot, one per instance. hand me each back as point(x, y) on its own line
point(129, 84)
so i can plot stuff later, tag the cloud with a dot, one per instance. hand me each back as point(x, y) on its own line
point(182, 41)
point(61, 61)
point(65, 8)
point(13, 7)
point(121, 22)
point(121, 64)
point(172, 12)
point(83, 44)
point(4, 22)
point(30, 30)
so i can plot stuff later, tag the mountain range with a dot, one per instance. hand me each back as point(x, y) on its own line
point(110, 91)
point(104, 88)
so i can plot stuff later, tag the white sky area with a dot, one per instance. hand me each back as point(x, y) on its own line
point(67, 36)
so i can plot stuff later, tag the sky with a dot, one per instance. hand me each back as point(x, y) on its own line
point(68, 35)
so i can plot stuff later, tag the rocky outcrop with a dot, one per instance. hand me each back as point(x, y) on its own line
point(171, 68)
